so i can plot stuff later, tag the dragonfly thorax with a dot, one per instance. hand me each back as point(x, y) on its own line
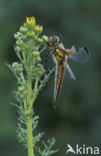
point(53, 41)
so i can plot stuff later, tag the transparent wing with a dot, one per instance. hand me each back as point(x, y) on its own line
point(69, 72)
point(80, 55)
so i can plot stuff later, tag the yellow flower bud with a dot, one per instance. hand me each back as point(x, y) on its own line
point(14, 65)
point(21, 88)
point(31, 34)
point(19, 42)
point(39, 28)
point(38, 59)
point(18, 49)
point(45, 38)
point(17, 67)
point(23, 29)
point(36, 53)
point(17, 35)
point(40, 40)
point(30, 20)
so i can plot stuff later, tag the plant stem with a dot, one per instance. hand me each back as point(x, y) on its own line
point(29, 121)
point(30, 137)
point(35, 89)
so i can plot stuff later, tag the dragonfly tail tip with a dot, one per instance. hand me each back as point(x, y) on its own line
point(54, 106)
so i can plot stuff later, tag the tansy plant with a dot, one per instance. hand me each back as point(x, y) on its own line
point(31, 78)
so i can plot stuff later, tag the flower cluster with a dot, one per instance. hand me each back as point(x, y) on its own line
point(27, 48)
point(28, 43)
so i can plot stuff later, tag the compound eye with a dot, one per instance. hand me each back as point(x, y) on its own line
point(55, 39)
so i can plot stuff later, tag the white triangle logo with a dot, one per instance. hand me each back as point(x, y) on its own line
point(70, 149)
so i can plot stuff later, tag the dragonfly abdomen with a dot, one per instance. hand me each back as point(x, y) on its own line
point(58, 82)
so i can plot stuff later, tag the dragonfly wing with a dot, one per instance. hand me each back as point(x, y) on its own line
point(69, 72)
point(80, 55)
point(59, 76)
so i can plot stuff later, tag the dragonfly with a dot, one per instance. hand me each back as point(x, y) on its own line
point(61, 57)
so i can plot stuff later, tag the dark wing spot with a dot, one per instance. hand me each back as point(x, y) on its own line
point(87, 50)
point(76, 48)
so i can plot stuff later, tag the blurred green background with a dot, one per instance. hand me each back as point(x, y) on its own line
point(77, 118)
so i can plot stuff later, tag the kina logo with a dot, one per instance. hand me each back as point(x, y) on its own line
point(82, 150)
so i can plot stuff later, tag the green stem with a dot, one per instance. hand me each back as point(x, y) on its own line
point(29, 93)
point(24, 57)
point(35, 89)
point(30, 137)
point(29, 121)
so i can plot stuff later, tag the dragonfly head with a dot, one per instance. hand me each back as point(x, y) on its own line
point(53, 40)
